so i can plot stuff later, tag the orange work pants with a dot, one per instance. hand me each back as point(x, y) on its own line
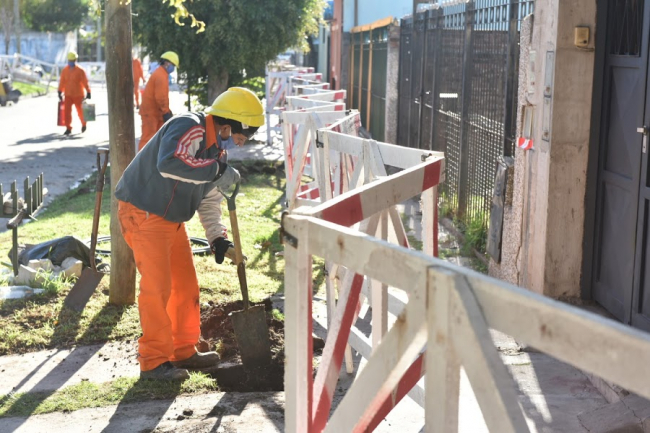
point(136, 92)
point(150, 125)
point(169, 289)
point(68, 102)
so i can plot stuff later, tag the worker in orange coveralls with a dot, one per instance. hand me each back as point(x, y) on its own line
point(177, 174)
point(138, 74)
point(71, 87)
point(154, 110)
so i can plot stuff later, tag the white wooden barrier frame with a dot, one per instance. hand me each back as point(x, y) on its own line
point(449, 314)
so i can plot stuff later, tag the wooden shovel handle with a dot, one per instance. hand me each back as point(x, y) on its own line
point(99, 188)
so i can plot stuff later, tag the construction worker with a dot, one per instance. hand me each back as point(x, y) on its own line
point(154, 110)
point(175, 175)
point(138, 74)
point(71, 87)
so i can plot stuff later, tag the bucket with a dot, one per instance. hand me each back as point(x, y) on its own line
point(89, 111)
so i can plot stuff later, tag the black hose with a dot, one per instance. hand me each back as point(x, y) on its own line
point(200, 246)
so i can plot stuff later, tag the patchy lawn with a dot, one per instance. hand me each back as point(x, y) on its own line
point(40, 322)
point(88, 394)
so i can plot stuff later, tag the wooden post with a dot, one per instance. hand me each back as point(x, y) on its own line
point(119, 83)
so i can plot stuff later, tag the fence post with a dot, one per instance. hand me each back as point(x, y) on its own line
point(468, 66)
point(298, 383)
point(512, 78)
point(436, 19)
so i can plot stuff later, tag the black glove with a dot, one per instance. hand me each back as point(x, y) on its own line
point(88, 95)
point(167, 116)
point(60, 96)
point(219, 248)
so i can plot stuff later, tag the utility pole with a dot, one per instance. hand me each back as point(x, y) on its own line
point(121, 132)
point(17, 24)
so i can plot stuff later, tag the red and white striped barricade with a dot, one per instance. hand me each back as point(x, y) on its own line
point(367, 205)
point(299, 133)
point(278, 86)
point(445, 324)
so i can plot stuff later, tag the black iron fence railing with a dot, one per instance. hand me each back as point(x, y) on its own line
point(457, 94)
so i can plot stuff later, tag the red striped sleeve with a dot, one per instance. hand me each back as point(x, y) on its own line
point(184, 150)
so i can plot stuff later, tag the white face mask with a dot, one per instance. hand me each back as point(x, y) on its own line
point(225, 144)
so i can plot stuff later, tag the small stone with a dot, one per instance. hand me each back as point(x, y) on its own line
point(84, 379)
point(188, 412)
point(180, 418)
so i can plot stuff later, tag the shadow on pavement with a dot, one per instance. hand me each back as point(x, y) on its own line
point(47, 138)
point(234, 404)
point(61, 373)
point(124, 411)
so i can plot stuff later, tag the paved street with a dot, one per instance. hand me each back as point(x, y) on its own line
point(31, 143)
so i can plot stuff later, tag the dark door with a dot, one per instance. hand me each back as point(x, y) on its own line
point(620, 241)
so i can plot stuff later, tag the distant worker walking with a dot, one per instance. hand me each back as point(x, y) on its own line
point(71, 90)
point(138, 74)
point(154, 110)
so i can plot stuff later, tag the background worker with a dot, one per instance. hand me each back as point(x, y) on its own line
point(154, 110)
point(71, 90)
point(175, 175)
point(138, 74)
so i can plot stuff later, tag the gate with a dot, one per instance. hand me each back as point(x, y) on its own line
point(620, 254)
point(458, 93)
point(368, 73)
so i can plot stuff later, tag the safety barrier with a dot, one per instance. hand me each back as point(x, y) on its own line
point(442, 327)
point(279, 84)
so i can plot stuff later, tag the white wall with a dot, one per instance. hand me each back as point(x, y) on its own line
point(47, 47)
point(373, 10)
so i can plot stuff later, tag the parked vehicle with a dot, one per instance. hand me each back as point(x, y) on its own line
point(8, 93)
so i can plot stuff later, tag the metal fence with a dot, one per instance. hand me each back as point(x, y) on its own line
point(458, 91)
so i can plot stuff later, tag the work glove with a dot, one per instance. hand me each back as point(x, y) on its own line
point(226, 176)
point(60, 96)
point(167, 116)
point(88, 95)
point(219, 248)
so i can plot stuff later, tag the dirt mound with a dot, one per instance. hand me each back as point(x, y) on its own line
point(217, 333)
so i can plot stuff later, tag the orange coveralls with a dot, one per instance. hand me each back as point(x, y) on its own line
point(72, 83)
point(138, 74)
point(169, 288)
point(155, 103)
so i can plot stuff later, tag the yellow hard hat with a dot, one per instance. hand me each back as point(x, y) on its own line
point(72, 55)
point(238, 103)
point(171, 56)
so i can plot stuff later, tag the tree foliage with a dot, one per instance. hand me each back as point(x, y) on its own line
point(239, 34)
point(55, 15)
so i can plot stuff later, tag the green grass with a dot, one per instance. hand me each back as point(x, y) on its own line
point(87, 394)
point(30, 89)
point(41, 322)
point(475, 232)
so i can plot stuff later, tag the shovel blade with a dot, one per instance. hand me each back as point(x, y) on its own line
point(83, 289)
point(252, 334)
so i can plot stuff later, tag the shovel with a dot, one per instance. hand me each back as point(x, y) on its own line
point(251, 330)
point(85, 286)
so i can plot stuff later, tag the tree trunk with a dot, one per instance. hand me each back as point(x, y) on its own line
point(119, 84)
point(17, 24)
point(217, 84)
point(7, 21)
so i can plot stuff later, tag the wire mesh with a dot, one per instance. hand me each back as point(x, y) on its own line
point(454, 47)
